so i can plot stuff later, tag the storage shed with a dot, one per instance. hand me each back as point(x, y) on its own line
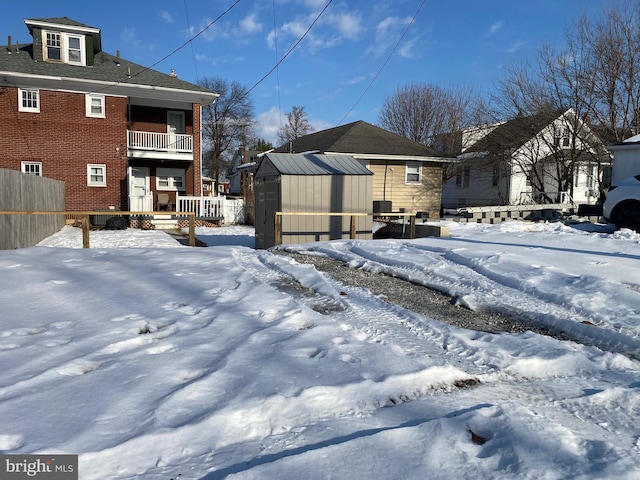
point(304, 183)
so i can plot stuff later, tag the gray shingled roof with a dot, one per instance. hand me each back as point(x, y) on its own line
point(514, 133)
point(316, 164)
point(60, 21)
point(104, 69)
point(360, 138)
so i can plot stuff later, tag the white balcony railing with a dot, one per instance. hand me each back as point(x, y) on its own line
point(159, 142)
point(205, 207)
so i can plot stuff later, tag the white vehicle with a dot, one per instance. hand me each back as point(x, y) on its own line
point(622, 206)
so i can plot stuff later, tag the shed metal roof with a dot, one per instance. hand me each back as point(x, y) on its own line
point(316, 164)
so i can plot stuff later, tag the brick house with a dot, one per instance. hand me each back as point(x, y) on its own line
point(120, 135)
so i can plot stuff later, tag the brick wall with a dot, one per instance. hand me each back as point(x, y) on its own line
point(65, 141)
point(152, 119)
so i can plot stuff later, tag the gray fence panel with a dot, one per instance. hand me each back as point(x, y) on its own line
point(22, 192)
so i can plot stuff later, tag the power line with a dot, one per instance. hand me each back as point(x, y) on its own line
point(375, 77)
point(290, 50)
point(193, 54)
point(191, 39)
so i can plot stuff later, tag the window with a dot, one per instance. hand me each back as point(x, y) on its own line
point(413, 173)
point(97, 175)
point(64, 47)
point(169, 179)
point(74, 50)
point(54, 46)
point(463, 174)
point(95, 105)
point(561, 137)
point(495, 177)
point(32, 168)
point(28, 100)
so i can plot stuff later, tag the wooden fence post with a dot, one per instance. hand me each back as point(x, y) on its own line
point(85, 231)
point(352, 228)
point(278, 229)
point(192, 229)
point(412, 226)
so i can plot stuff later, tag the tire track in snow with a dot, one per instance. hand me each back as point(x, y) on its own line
point(450, 273)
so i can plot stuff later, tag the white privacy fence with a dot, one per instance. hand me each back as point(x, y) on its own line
point(230, 211)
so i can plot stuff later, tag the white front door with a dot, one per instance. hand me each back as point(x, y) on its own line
point(175, 127)
point(140, 196)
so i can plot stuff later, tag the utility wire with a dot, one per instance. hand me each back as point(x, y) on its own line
point(193, 54)
point(375, 77)
point(191, 39)
point(290, 50)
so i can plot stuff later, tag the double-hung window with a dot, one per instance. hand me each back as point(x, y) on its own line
point(64, 47)
point(97, 175)
point(32, 168)
point(463, 176)
point(413, 173)
point(28, 100)
point(53, 46)
point(74, 49)
point(95, 105)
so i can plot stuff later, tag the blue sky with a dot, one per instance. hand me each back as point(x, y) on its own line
point(452, 43)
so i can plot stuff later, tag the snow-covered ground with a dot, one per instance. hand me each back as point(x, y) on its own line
point(154, 361)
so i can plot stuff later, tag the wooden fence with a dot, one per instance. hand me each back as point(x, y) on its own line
point(21, 192)
point(84, 218)
point(352, 224)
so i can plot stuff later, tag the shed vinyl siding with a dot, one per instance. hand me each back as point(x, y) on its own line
point(317, 184)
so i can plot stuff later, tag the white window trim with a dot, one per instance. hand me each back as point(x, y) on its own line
point(21, 107)
point(64, 47)
point(102, 183)
point(170, 173)
point(88, 99)
point(26, 163)
point(410, 170)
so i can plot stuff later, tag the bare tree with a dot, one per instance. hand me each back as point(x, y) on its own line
point(424, 112)
point(297, 126)
point(225, 123)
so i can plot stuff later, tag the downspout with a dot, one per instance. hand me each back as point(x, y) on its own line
point(384, 186)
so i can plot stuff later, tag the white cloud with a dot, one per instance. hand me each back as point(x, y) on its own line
point(406, 49)
point(349, 25)
point(166, 16)
point(495, 27)
point(249, 25)
point(515, 47)
point(388, 32)
point(268, 124)
point(128, 36)
point(356, 80)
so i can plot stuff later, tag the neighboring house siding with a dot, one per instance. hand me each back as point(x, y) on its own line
point(424, 197)
point(65, 141)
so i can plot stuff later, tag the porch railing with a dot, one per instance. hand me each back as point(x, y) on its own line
point(203, 207)
point(161, 142)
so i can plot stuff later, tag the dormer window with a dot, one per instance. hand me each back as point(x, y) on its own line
point(64, 47)
point(54, 50)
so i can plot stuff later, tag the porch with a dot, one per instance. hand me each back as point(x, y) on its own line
point(152, 145)
point(219, 210)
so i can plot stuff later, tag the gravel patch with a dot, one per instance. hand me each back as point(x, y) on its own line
point(419, 299)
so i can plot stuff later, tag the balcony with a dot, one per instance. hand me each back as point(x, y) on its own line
point(160, 146)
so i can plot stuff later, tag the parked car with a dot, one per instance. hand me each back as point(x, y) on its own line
point(622, 206)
